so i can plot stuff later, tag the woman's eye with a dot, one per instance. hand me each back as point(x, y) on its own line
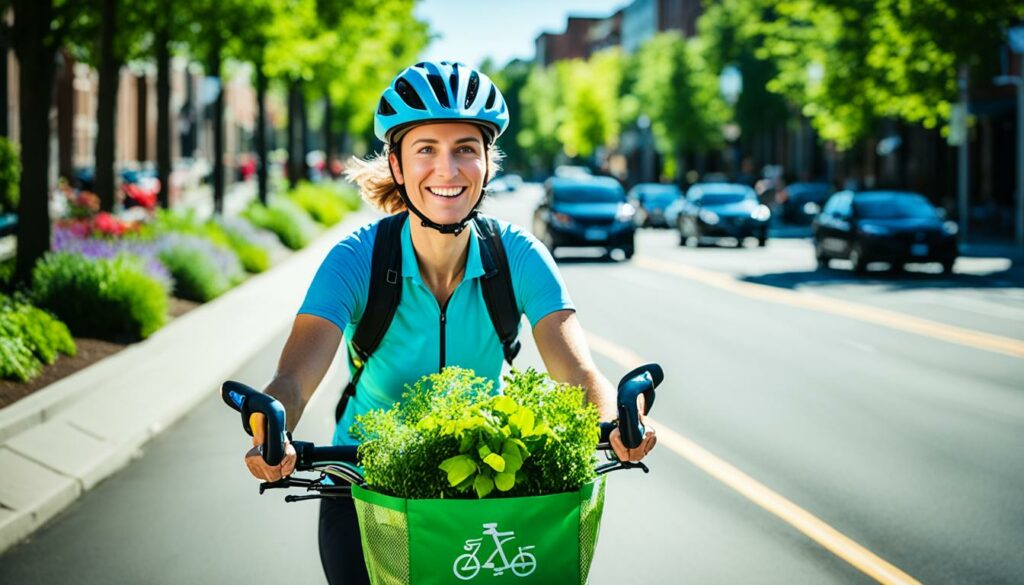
point(427, 150)
point(467, 150)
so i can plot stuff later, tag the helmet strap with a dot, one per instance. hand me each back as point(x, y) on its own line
point(445, 228)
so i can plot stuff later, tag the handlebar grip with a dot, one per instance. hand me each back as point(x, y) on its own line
point(643, 380)
point(249, 401)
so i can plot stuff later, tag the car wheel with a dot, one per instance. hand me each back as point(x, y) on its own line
point(947, 266)
point(628, 251)
point(896, 267)
point(762, 240)
point(857, 258)
point(820, 257)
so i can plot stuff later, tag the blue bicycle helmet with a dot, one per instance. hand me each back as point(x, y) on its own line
point(440, 91)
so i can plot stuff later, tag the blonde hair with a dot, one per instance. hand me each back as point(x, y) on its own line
point(378, 187)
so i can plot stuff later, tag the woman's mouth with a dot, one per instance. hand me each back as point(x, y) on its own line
point(446, 192)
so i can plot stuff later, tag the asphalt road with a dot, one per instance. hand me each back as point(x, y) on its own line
point(906, 442)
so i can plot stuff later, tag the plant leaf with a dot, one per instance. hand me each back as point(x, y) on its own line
point(505, 481)
point(505, 405)
point(523, 420)
point(459, 468)
point(512, 456)
point(495, 461)
point(483, 485)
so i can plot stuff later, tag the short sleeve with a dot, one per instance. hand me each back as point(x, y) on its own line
point(341, 284)
point(536, 281)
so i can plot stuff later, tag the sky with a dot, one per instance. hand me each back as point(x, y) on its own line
point(471, 30)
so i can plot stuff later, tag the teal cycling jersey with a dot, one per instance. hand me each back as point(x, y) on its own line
point(424, 337)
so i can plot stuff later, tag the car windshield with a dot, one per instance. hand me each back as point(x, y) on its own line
point(893, 207)
point(809, 193)
point(589, 194)
point(709, 199)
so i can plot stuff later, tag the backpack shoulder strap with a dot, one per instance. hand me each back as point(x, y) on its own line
point(498, 293)
point(381, 303)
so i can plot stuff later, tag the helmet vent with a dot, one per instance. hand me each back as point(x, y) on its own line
point(385, 109)
point(453, 82)
point(474, 86)
point(409, 95)
point(490, 98)
point(437, 84)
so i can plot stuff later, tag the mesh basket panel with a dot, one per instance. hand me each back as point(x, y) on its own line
point(385, 536)
point(590, 524)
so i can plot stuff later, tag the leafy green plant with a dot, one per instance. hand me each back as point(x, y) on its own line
point(285, 218)
point(29, 339)
point(10, 176)
point(327, 205)
point(202, 270)
point(108, 298)
point(452, 437)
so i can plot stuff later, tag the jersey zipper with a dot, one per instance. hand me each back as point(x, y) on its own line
point(444, 321)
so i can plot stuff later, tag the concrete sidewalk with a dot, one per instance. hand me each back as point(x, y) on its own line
point(66, 438)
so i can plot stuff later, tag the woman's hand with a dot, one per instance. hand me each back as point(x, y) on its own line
point(254, 457)
point(645, 446)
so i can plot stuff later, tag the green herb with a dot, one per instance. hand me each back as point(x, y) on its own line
point(453, 436)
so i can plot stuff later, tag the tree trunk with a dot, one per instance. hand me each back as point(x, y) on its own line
point(66, 117)
point(261, 132)
point(163, 104)
point(304, 130)
point(294, 134)
point(141, 91)
point(218, 130)
point(106, 112)
point(5, 35)
point(328, 131)
point(36, 49)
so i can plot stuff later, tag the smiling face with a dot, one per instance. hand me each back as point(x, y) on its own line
point(444, 167)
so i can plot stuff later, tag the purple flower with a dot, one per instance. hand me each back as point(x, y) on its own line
point(225, 260)
point(66, 241)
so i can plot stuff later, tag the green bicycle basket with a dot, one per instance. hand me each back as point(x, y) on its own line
point(538, 539)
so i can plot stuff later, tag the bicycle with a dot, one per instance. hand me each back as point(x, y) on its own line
point(384, 520)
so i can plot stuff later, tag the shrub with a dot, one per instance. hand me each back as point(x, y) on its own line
point(68, 239)
point(10, 176)
point(29, 338)
point(254, 246)
point(327, 205)
point(108, 298)
point(285, 218)
point(201, 269)
point(451, 437)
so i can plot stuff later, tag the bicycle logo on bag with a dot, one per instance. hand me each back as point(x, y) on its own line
point(467, 565)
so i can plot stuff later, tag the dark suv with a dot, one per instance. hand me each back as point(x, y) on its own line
point(585, 212)
point(883, 226)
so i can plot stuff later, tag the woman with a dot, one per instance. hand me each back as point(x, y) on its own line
point(439, 122)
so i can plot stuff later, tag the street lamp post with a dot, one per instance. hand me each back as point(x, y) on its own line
point(1016, 41)
point(1018, 81)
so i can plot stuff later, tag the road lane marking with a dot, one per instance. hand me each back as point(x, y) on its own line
point(810, 525)
point(891, 319)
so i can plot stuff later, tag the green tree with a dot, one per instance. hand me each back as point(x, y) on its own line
point(590, 94)
point(542, 110)
point(680, 97)
point(511, 80)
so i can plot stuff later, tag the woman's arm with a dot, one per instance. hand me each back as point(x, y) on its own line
point(563, 346)
point(305, 359)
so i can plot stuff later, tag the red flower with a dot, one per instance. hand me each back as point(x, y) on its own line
point(108, 225)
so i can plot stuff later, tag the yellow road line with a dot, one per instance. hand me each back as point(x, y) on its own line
point(810, 525)
point(950, 333)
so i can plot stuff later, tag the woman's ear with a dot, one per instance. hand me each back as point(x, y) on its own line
point(396, 168)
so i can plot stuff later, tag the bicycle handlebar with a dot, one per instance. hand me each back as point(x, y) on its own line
point(248, 401)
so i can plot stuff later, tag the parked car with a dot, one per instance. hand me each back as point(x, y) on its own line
point(722, 210)
point(585, 212)
point(505, 184)
point(799, 203)
point(651, 201)
point(883, 226)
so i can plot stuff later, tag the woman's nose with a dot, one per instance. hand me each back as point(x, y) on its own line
point(446, 166)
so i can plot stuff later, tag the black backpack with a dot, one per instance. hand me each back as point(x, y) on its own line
point(386, 292)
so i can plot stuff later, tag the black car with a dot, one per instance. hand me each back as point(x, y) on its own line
point(883, 226)
point(651, 201)
point(722, 210)
point(799, 203)
point(585, 212)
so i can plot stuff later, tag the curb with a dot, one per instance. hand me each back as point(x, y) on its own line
point(69, 436)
